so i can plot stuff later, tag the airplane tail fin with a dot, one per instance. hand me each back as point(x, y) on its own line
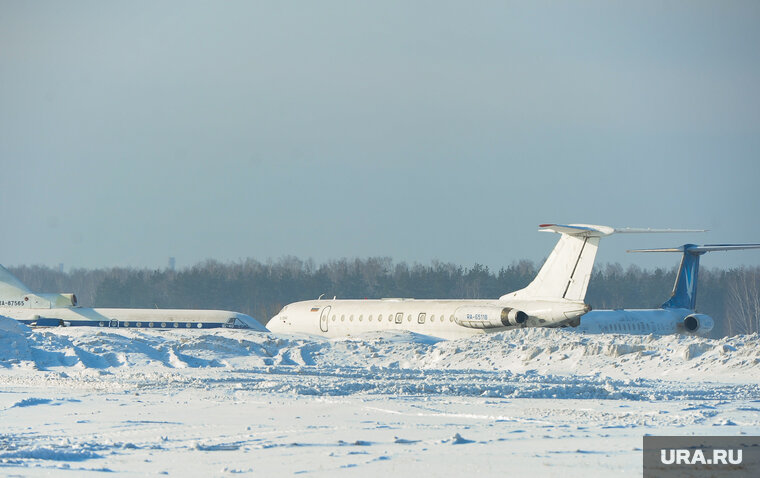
point(12, 289)
point(684, 295)
point(10, 286)
point(567, 270)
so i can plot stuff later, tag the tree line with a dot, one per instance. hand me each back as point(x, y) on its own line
point(261, 289)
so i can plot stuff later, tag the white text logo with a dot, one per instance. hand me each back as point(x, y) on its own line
point(697, 457)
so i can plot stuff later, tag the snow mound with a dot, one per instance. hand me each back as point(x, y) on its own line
point(10, 326)
point(524, 363)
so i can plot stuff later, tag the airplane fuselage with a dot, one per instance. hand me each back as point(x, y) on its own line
point(133, 318)
point(448, 319)
point(645, 321)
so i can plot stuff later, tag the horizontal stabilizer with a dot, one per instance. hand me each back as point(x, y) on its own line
point(589, 230)
point(694, 249)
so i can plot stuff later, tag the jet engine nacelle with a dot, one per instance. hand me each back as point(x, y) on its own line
point(50, 301)
point(698, 323)
point(483, 317)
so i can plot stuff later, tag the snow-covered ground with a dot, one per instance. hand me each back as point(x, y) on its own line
point(83, 402)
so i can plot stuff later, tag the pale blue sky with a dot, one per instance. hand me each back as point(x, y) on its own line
point(135, 131)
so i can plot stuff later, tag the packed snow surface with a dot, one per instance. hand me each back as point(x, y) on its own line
point(224, 402)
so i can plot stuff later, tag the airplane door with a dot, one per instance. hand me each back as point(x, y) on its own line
point(323, 319)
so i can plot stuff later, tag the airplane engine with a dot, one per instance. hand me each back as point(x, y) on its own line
point(478, 317)
point(53, 301)
point(698, 323)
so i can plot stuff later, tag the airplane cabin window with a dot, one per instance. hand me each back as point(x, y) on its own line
point(342, 318)
point(399, 317)
point(333, 318)
point(451, 318)
point(361, 317)
point(421, 318)
point(380, 318)
point(351, 319)
point(409, 318)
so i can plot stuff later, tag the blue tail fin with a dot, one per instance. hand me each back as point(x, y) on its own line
point(685, 289)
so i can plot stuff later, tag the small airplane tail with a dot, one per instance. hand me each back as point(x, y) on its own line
point(567, 270)
point(10, 286)
point(15, 292)
point(684, 295)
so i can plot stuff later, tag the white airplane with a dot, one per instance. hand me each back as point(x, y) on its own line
point(23, 305)
point(553, 299)
point(677, 315)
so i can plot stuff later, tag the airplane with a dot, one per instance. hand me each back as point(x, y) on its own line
point(677, 315)
point(18, 302)
point(554, 298)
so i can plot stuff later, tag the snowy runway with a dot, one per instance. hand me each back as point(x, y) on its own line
point(230, 402)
